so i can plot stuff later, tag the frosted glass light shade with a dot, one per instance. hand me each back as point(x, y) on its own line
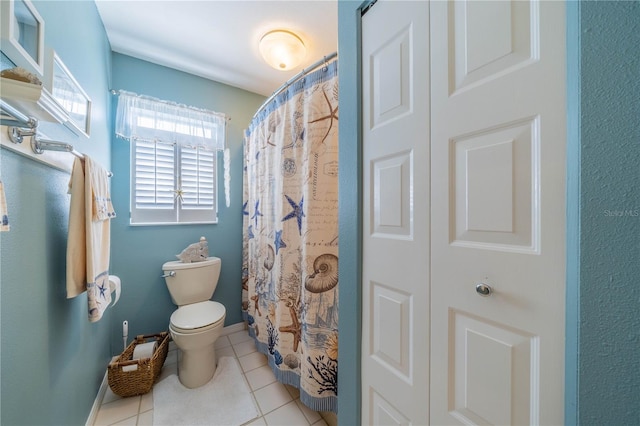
point(282, 49)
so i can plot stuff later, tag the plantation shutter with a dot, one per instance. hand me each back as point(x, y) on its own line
point(173, 159)
point(197, 181)
point(154, 176)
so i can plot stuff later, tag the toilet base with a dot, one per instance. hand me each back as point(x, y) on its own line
point(196, 366)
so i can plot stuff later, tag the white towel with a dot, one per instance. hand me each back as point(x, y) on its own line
point(4, 213)
point(76, 240)
point(88, 248)
point(102, 209)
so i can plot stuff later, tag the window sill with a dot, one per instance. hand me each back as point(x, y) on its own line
point(173, 223)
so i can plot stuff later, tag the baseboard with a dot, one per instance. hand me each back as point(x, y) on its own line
point(93, 414)
point(230, 329)
point(233, 328)
point(330, 418)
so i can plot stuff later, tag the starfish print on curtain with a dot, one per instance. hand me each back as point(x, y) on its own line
point(290, 236)
point(297, 212)
point(333, 114)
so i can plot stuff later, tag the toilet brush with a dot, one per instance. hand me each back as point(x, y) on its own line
point(125, 332)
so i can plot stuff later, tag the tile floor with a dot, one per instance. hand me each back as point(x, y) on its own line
point(278, 404)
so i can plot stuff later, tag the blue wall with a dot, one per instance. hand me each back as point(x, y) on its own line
point(350, 216)
point(138, 252)
point(604, 288)
point(53, 359)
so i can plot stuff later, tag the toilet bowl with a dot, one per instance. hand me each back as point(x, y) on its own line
point(195, 329)
point(197, 323)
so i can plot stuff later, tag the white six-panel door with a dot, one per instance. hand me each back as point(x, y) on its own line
point(498, 212)
point(395, 344)
point(463, 195)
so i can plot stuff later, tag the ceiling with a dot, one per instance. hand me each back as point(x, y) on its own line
point(218, 39)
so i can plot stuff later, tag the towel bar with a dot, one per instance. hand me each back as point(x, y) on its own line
point(39, 145)
point(13, 117)
point(20, 125)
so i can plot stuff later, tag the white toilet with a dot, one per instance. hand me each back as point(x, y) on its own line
point(198, 321)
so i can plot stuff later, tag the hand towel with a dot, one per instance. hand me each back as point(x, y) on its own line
point(102, 209)
point(4, 213)
point(98, 237)
point(88, 257)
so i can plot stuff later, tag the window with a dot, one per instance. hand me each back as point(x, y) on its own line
point(173, 160)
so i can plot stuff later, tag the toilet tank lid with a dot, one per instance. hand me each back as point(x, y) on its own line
point(198, 315)
point(176, 264)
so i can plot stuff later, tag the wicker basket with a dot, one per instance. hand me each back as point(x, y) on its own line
point(141, 380)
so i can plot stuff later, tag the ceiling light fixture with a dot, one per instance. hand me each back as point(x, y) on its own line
point(282, 49)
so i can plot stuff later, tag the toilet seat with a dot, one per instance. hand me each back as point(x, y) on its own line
point(197, 317)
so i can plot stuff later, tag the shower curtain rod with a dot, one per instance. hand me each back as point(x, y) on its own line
point(325, 60)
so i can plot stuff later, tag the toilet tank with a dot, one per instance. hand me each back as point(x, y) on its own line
point(192, 282)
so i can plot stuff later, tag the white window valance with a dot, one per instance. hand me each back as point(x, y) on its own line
point(151, 119)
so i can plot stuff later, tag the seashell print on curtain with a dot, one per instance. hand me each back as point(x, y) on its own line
point(290, 247)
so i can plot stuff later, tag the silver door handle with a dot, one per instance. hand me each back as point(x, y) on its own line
point(168, 274)
point(483, 290)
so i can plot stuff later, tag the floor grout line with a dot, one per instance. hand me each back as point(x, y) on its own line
point(261, 415)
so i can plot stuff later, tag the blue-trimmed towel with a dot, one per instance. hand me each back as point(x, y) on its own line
point(88, 247)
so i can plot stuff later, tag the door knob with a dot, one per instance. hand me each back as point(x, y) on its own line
point(483, 290)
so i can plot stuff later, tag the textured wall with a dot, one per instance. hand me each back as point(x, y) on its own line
point(138, 252)
point(53, 359)
point(350, 216)
point(609, 361)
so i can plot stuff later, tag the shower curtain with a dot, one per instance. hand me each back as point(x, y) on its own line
point(290, 241)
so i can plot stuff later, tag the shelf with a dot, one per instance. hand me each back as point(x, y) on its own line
point(32, 100)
